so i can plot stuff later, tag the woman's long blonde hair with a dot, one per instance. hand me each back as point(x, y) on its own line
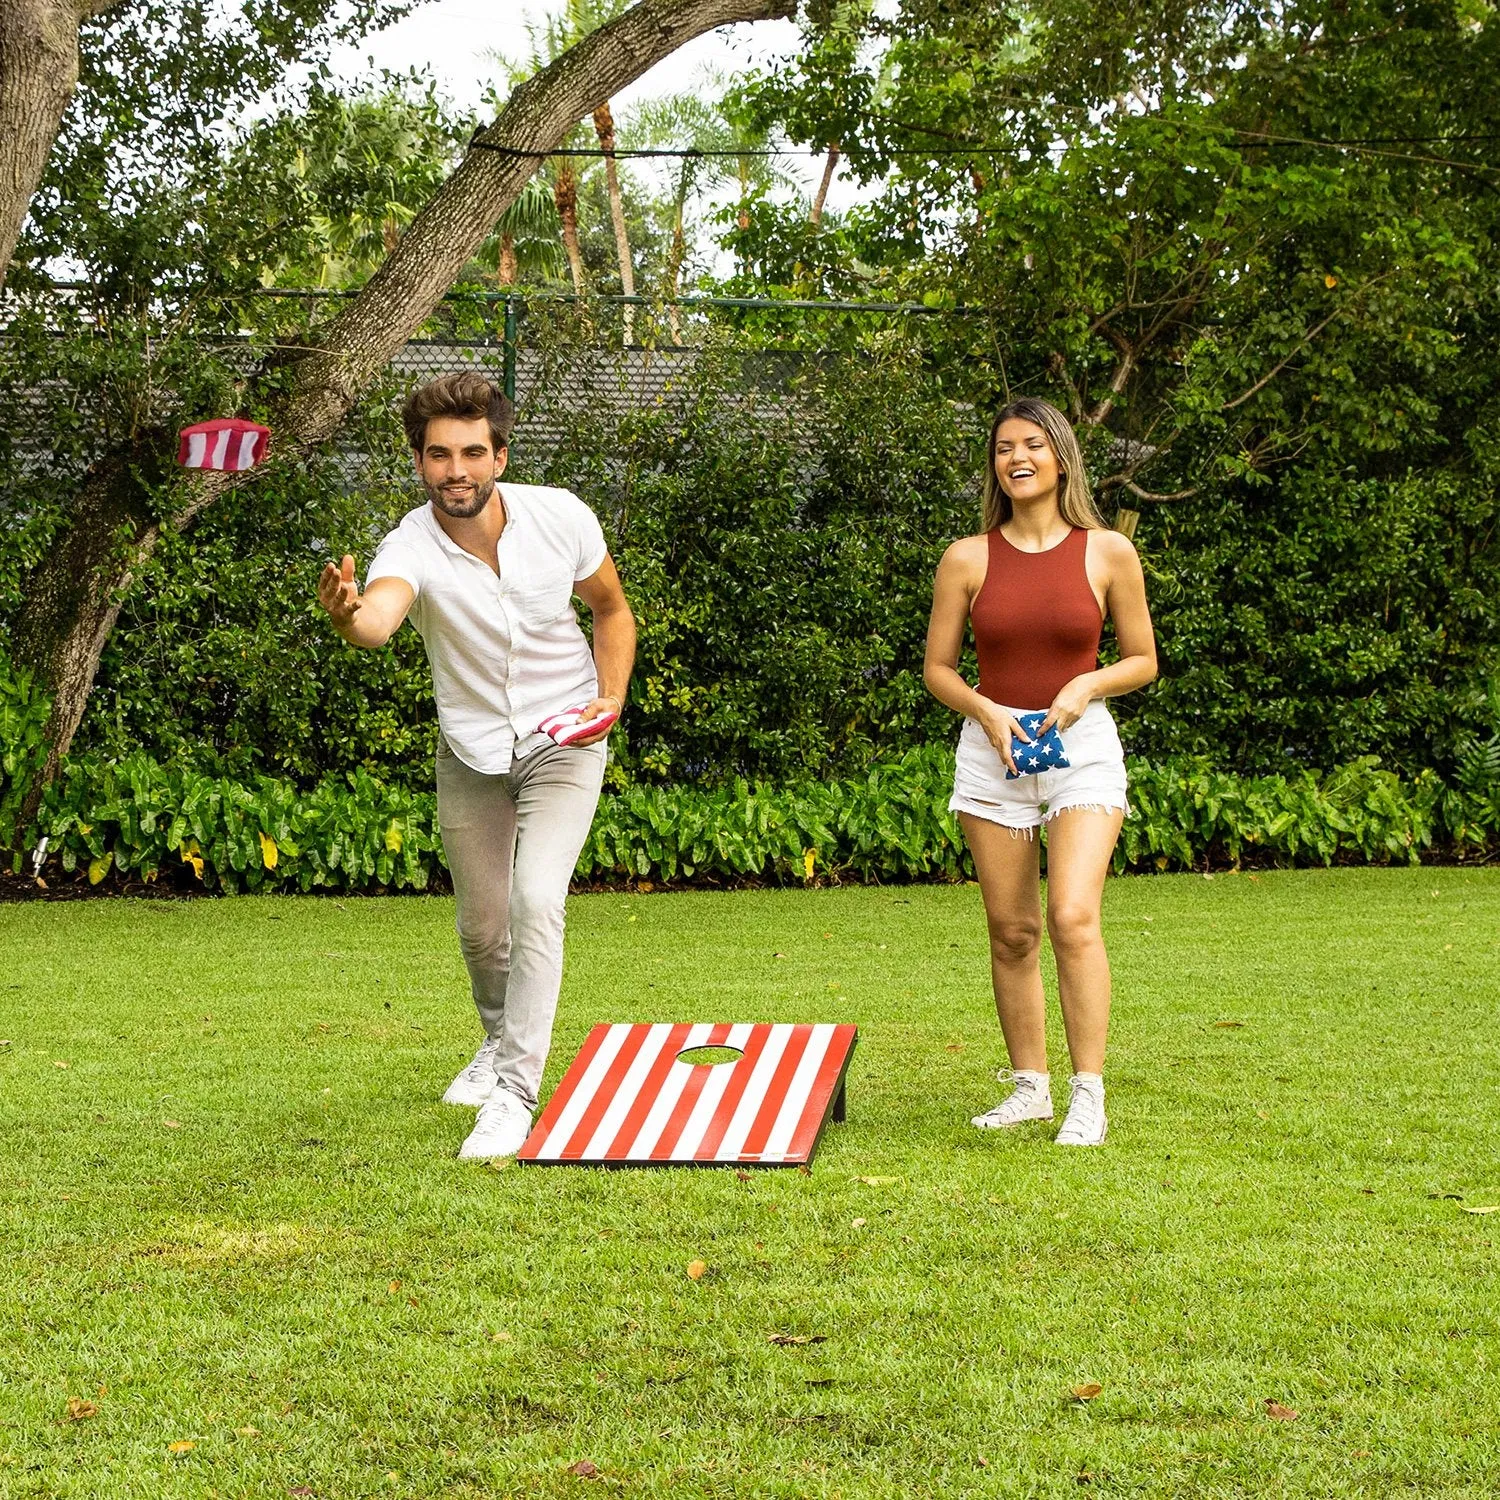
point(1075, 495)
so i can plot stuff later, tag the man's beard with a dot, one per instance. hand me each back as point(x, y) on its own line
point(461, 505)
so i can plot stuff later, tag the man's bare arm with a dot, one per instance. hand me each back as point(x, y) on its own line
point(614, 640)
point(369, 619)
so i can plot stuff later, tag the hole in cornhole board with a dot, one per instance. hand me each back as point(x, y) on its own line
point(709, 1057)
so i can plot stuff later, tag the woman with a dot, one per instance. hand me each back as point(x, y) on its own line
point(1037, 586)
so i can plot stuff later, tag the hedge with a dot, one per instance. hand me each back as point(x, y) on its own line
point(139, 818)
point(779, 544)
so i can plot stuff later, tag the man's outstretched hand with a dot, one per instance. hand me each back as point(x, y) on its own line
point(338, 592)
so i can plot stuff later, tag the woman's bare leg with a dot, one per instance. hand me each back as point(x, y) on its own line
point(1080, 842)
point(1008, 865)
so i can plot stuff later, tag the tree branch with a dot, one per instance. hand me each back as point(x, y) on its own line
point(401, 295)
point(1303, 342)
point(1135, 489)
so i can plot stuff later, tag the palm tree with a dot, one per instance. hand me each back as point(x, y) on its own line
point(525, 246)
point(731, 153)
point(562, 172)
point(549, 40)
point(604, 128)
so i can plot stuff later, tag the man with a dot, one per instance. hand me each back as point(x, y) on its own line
point(487, 576)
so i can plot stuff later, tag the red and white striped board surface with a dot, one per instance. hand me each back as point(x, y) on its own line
point(627, 1101)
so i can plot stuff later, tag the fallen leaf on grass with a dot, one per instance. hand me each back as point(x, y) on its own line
point(1229, 1025)
point(394, 1287)
point(502, 1337)
point(981, 1461)
point(1087, 1392)
point(4, 1041)
point(300, 1489)
point(412, 1301)
point(1489, 1208)
point(697, 1269)
point(1360, 1453)
point(1280, 1412)
point(741, 1175)
point(786, 1339)
point(62, 1065)
point(173, 1124)
point(181, 1446)
point(858, 1223)
point(954, 1047)
point(584, 1469)
point(877, 1181)
point(247, 1432)
point(80, 1410)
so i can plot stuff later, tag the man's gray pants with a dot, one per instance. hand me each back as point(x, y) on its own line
point(512, 843)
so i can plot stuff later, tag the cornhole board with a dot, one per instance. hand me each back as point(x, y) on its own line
point(628, 1101)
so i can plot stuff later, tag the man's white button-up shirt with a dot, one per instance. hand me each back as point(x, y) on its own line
point(505, 652)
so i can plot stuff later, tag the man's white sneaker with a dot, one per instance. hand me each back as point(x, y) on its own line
point(1085, 1124)
point(477, 1082)
point(501, 1129)
point(1031, 1099)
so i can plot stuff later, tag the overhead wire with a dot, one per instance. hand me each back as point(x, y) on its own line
point(1248, 140)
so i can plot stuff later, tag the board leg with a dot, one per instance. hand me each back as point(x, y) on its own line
point(838, 1103)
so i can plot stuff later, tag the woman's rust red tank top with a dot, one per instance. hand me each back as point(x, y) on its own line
point(1036, 621)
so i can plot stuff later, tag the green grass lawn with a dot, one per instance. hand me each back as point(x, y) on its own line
point(234, 1218)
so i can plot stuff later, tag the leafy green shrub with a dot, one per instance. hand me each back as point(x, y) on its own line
point(139, 818)
point(23, 748)
point(777, 519)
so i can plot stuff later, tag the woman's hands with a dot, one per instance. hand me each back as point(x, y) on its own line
point(1000, 727)
point(1067, 708)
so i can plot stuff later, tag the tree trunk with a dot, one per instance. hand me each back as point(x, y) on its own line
point(604, 128)
point(829, 167)
point(565, 196)
point(38, 73)
point(509, 267)
point(675, 257)
point(73, 594)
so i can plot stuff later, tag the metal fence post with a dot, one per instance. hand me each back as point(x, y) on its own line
point(510, 348)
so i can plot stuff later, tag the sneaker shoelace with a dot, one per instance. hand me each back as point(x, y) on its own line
point(1024, 1093)
point(1085, 1105)
point(483, 1064)
point(499, 1108)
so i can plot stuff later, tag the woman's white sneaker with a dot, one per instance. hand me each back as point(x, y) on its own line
point(477, 1082)
point(1031, 1099)
point(501, 1129)
point(1085, 1124)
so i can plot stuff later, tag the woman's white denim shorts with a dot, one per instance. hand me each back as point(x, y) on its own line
point(1094, 777)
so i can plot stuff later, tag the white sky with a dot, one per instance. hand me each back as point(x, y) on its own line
point(450, 39)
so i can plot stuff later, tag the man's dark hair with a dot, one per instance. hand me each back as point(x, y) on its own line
point(466, 395)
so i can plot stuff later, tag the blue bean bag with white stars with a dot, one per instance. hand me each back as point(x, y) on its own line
point(1042, 754)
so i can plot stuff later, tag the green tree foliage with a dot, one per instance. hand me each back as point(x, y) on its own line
point(1280, 350)
point(777, 520)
